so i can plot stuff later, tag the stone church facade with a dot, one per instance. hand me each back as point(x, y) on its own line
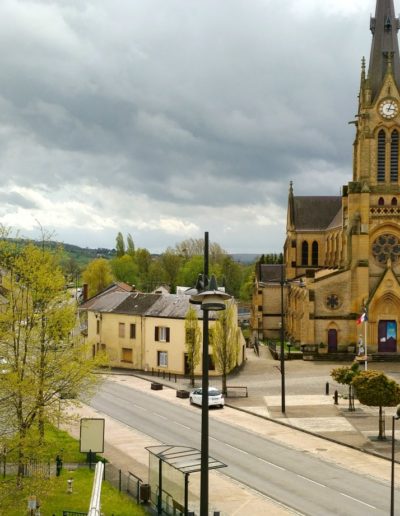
point(342, 254)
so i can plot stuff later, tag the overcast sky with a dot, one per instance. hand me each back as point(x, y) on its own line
point(168, 118)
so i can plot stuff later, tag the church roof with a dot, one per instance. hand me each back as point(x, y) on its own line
point(315, 213)
point(269, 272)
point(337, 220)
point(384, 27)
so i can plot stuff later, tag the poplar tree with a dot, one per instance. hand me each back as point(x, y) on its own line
point(225, 342)
point(192, 341)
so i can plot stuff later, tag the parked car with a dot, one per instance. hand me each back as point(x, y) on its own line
point(215, 397)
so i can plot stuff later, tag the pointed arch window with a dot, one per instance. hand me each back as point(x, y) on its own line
point(381, 156)
point(304, 253)
point(394, 201)
point(381, 201)
point(394, 157)
point(314, 253)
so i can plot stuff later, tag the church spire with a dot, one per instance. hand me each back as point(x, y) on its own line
point(385, 47)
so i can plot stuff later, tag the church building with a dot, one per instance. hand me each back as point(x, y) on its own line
point(342, 253)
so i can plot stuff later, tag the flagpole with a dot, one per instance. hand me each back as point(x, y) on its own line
point(366, 346)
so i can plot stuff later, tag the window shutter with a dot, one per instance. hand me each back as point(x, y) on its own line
point(167, 332)
point(156, 334)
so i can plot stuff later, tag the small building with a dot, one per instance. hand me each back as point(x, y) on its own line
point(144, 331)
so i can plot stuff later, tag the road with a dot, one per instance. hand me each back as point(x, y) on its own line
point(304, 483)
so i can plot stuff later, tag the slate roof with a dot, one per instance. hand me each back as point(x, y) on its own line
point(169, 306)
point(384, 27)
point(337, 220)
point(269, 273)
point(315, 213)
point(173, 306)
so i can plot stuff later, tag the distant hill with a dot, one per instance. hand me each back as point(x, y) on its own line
point(83, 255)
point(245, 257)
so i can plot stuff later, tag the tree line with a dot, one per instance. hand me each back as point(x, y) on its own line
point(179, 265)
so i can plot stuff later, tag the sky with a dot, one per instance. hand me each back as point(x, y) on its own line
point(168, 118)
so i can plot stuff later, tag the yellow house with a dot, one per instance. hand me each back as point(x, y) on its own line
point(143, 331)
point(342, 253)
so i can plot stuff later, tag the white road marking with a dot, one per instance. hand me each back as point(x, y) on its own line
point(237, 449)
point(271, 464)
point(140, 407)
point(313, 481)
point(159, 415)
point(356, 500)
point(184, 426)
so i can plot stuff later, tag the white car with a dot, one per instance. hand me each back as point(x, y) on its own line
point(215, 398)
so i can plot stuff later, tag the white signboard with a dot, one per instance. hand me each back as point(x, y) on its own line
point(92, 435)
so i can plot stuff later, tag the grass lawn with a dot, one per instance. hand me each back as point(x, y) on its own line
point(52, 492)
point(54, 497)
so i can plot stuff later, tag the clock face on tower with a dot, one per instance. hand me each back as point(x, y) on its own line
point(388, 108)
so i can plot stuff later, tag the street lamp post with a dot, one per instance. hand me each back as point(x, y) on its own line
point(211, 299)
point(394, 418)
point(282, 357)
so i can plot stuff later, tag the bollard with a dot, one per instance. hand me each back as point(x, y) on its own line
point(336, 398)
point(327, 388)
point(69, 485)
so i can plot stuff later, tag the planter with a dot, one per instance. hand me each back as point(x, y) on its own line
point(182, 394)
point(156, 386)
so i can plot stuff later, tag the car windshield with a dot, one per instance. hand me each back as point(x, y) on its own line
point(214, 392)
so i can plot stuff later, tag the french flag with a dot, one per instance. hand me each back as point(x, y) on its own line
point(363, 318)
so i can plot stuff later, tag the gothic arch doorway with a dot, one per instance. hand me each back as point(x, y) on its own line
point(387, 336)
point(332, 340)
point(385, 313)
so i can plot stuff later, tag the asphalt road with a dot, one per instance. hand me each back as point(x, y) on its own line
point(304, 483)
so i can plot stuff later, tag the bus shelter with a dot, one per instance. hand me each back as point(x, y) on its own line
point(169, 470)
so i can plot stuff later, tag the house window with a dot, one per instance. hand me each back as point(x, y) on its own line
point(394, 157)
point(314, 253)
point(127, 355)
point(381, 201)
point(381, 156)
point(304, 253)
point(97, 327)
point(121, 330)
point(162, 358)
point(132, 331)
point(394, 201)
point(161, 334)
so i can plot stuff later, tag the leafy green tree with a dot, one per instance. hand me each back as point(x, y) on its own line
point(130, 245)
point(192, 341)
point(375, 389)
point(195, 247)
point(190, 271)
point(231, 273)
point(345, 376)
point(120, 245)
point(247, 285)
point(97, 275)
point(124, 268)
point(44, 354)
point(171, 263)
point(225, 342)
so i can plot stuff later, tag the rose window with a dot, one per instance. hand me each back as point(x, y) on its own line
point(385, 247)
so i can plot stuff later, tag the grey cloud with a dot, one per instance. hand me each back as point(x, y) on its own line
point(183, 102)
